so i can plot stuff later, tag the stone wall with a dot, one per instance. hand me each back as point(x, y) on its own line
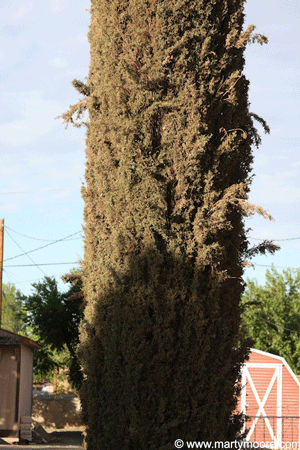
point(56, 410)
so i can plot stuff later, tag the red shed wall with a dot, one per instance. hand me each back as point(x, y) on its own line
point(259, 358)
point(290, 399)
point(290, 394)
point(290, 388)
point(290, 407)
point(261, 379)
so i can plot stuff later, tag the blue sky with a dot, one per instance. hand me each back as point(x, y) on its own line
point(274, 74)
point(43, 48)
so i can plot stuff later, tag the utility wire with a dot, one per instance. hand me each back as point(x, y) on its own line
point(13, 275)
point(275, 267)
point(41, 191)
point(6, 273)
point(43, 246)
point(286, 239)
point(53, 240)
point(76, 262)
point(279, 327)
point(35, 238)
point(43, 264)
point(29, 237)
point(36, 279)
point(295, 139)
point(34, 264)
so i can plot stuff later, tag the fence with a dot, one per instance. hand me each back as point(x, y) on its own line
point(279, 430)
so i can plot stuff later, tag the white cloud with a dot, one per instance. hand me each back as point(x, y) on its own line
point(58, 5)
point(23, 10)
point(80, 39)
point(8, 171)
point(58, 62)
point(9, 207)
point(37, 118)
point(275, 190)
point(48, 178)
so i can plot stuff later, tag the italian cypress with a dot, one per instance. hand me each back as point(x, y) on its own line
point(167, 178)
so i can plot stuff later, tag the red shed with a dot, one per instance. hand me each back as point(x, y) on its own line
point(270, 397)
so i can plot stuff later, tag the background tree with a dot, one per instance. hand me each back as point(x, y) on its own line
point(271, 315)
point(167, 179)
point(11, 309)
point(52, 319)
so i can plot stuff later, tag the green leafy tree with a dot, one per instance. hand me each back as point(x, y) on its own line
point(271, 316)
point(11, 308)
point(52, 318)
point(167, 178)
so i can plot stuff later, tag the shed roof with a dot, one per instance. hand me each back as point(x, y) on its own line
point(9, 338)
point(279, 358)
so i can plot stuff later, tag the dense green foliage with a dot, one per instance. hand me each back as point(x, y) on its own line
point(167, 179)
point(272, 315)
point(52, 319)
point(11, 308)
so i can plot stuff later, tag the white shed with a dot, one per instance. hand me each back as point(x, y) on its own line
point(16, 372)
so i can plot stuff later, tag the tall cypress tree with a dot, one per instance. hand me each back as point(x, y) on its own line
point(167, 178)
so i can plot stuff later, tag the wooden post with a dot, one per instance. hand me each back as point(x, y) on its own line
point(1, 263)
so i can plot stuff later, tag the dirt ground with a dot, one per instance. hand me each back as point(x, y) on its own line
point(59, 440)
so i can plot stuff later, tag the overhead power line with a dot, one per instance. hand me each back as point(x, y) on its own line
point(57, 240)
point(295, 139)
point(31, 237)
point(43, 246)
point(275, 240)
point(34, 264)
point(43, 264)
point(253, 265)
point(35, 279)
point(12, 275)
point(276, 267)
point(41, 191)
point(278, 326)
point(5, 271)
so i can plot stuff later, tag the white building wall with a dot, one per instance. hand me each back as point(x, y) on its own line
point(25, 399)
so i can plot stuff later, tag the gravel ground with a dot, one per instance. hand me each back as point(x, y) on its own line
point(59, 440)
